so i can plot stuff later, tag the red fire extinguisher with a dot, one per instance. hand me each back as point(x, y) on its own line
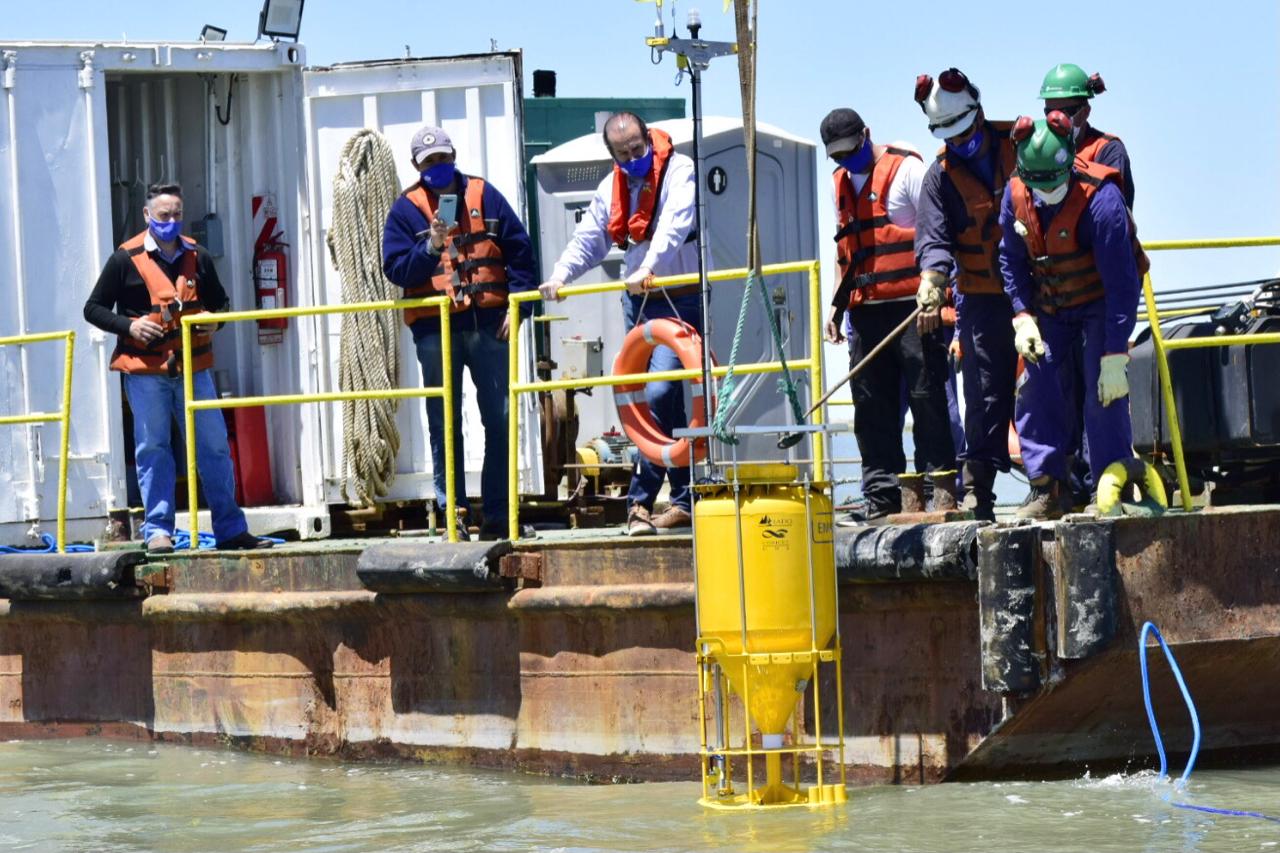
point(271, 283)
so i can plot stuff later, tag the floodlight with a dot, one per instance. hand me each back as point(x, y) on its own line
point(212, 33)
point(280, 19)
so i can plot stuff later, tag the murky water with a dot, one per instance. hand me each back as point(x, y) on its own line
point(87, 795)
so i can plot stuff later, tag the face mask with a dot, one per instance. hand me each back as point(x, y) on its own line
point(857, 162)
point(1053, 196)
point(439, 176)
point(1075, 132)
point(639, 167)
point(969, 148)
point(166, 232)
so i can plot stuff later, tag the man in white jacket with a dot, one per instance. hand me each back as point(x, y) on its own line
point(647, 207)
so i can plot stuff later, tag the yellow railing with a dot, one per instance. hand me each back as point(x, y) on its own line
point(813, 363)
point(1163, 347)
point(63, 417)
point(444, 390)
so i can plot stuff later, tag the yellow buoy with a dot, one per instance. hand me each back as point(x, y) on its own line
point(767, 601)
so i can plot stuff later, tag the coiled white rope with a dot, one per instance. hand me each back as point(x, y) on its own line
point(364, 189)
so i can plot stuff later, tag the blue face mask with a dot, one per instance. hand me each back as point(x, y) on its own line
point(969, 148)
point(639, 167)
point(166, 232)
point(857, 162)
point(439, 176)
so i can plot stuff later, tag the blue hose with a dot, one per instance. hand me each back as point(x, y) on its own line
point(1181, 784)
point(50, 546)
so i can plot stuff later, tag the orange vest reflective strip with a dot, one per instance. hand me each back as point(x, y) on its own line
point(977, 244)
point(169, 301)
point(628, 226)
point(877, 257)
point(1065, 273)
point(633, 407)
point(472, 270)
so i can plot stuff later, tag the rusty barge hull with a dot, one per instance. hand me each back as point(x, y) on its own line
point(579, 663)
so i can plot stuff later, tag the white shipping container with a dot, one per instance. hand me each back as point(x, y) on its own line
point(85, 127)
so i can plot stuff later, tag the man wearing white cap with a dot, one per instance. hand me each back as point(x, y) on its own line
point(958, 237)
point(454, 234)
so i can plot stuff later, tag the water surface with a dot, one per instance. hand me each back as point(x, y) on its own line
point(91, 795)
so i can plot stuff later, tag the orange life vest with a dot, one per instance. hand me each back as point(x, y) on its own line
point(1066, 274)
point(876, 256)
point(977, 244)
point(1091, 143)
point(472, 270)
point(169, 301)
point(628, 226)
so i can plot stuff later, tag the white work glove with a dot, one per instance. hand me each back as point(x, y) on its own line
point(1113, 379)
point(1026, 337)
point(932, 292)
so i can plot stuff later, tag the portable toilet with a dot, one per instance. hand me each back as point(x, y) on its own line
point(567, 178)
point(84, 127)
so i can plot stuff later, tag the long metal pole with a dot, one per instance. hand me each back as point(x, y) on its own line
point(189, 414)
point(450, 472)
point(65, 440)
point(703, 281)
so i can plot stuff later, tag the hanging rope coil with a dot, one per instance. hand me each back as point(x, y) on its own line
point(364, 189)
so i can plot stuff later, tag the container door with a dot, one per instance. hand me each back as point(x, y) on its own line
point(53, 147)
point(477, 100)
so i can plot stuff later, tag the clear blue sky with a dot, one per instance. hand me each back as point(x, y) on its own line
point(1193, 88)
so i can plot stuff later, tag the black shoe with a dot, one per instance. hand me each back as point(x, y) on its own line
point(1045, 501)
point(244, 542)
point(493, 531)
point(160, 544)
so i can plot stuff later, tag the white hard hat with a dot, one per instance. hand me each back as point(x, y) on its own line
point(951, 102)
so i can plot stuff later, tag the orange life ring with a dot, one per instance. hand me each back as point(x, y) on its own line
point(633, 409)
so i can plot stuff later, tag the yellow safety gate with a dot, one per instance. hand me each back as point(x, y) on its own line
point(1163, 347)
point(813, 363)
point(444, 391)
point(63, 417)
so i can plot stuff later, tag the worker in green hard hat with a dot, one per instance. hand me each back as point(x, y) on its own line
point(1072, 267)
point(1068, 89)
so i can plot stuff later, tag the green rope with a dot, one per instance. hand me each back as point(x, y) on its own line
point(729, 387)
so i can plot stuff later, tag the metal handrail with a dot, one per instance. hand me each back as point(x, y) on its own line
point(444, 390)
point(813, 363)
point(1163, 347)
point(62, 416)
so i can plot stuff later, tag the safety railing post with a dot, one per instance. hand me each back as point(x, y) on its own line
point(513, 420)
point(65, 440)
point(189, 417)
point(1166, 391)
point(450, 470)
point(62, 417)
point(815, 368)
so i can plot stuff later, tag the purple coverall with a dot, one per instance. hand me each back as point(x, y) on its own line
point(1046, 393)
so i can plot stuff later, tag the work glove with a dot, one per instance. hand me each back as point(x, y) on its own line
point(1026, 337)
point(1113, 379)
point(932, 292)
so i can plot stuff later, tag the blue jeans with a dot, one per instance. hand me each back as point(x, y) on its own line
point(156, 401)
point(486, 356)
point(665, 399)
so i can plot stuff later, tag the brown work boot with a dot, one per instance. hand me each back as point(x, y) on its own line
point(1045, 500)
point(639, 523)
point(160, 544)
point(672, 517)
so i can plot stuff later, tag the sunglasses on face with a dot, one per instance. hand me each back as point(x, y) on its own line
point(950, 122)
point(1069, 112)
point(1041, 176)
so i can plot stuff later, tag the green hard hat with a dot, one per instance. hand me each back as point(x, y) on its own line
point(1066, 81)
point(1045, 151)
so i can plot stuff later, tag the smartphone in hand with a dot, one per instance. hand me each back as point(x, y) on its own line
point(448, 209)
